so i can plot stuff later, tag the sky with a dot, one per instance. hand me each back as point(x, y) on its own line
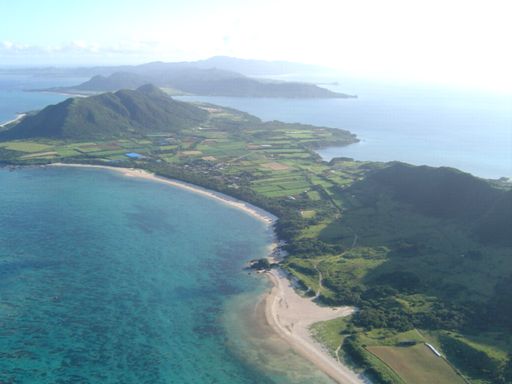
point(455, 42)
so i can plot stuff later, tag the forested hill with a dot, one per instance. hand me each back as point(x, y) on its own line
point(451, 194)
point(123, 113)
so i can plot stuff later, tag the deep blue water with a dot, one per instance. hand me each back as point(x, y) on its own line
point(468, 130)
point(110, 279)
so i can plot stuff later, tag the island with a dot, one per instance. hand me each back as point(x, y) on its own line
point(416, 259)
point(195, 78)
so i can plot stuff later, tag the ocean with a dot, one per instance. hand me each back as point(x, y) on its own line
point(15, 98)
point(113, 279)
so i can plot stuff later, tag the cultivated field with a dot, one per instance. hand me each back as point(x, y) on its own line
point(417, 364)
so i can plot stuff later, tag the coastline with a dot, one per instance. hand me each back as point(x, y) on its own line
point(250, 209)
point(18, 117)
point(291, 315)
point(68, 94)
point(287, 313)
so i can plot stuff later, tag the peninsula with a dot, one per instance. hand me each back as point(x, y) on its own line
point(423, 253)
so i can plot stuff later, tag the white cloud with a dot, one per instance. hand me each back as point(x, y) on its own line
point(7, 44)
point(10, 46)
point(76, 46)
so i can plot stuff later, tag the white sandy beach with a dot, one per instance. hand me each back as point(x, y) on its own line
point(291, 315)
point(225, 199)
point(288, 314)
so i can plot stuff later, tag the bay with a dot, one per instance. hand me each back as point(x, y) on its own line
point(108, 279)
point(111, 279)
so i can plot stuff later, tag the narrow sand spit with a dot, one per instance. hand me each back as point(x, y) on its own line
point(18, 117)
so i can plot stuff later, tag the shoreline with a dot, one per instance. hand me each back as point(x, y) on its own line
point(64, 93)
point(18, 117)
point(291, 315)
point(249, 209)
point(287, 313)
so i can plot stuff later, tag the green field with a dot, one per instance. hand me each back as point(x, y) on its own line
point(417, 365)
point(25, 146)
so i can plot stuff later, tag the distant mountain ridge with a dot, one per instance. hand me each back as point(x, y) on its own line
point(123, 113)
point(247, 67)
point(114, 82)
point(251, 67)
point(212, 77)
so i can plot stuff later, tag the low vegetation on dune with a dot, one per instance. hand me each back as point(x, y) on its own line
point(424, 253)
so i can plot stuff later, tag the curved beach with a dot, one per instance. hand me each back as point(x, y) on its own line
point(250, 209)
point(286, 312)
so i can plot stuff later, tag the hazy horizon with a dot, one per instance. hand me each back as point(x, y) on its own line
point(456, 43)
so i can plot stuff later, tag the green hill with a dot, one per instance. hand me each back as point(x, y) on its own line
point(415, 248)
point(495, 226)
point(444, 231)
point(443, 192)
point(123, 113)
point(449, 194)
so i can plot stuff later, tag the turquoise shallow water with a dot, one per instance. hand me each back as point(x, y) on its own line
point(111, 279)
